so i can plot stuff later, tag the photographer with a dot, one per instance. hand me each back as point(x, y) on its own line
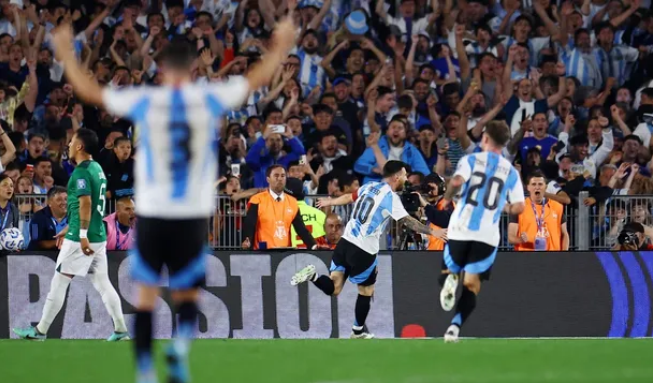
point(429, 198)
point(632, 238)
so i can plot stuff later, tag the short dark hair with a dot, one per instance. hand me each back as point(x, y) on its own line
point(498, 132)
point(648, 92)
point(269, 170)
point(450, 88)
point(393, 167)
point(321, 108)
point(89, 140)
point(120, 139)
point(56, 190)
point(418, 174)
point(38, 161)
point(383, 90)
point(405, 102)
point(179, 54)
point(633, 138)
point(635, 227)
point(537, 173)
point(345, 179)
point(269, 110)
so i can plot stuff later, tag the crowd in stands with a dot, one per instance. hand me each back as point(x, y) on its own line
point(369, 81)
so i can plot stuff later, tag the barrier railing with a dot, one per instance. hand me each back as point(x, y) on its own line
point(594, 227)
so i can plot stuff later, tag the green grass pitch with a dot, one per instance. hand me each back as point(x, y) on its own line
point(342, 361)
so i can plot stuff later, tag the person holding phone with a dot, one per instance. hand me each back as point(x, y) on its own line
point(268, 151)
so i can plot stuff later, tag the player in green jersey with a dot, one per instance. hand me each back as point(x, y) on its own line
point(83, 249)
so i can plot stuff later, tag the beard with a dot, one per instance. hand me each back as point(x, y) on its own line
point(479, 110)
point(310, 50)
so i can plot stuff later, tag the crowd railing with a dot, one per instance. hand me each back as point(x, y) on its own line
point(593, 227)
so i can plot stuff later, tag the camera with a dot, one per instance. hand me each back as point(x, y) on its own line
point(410, 200)
point(628, 237)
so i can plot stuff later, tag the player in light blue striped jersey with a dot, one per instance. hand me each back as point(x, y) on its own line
point(176, 167)
point(487, 181)
point(355, 254)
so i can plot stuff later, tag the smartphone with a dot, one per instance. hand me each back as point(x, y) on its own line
point(29, 167)
point(302, 160)
point(558, 146)
point(434, 94)
point(235, 170)
point(279, 129)
point(577, 169)
point(441, 142)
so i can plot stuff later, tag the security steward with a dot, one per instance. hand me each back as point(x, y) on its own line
point(313, 218)
point(271, 214)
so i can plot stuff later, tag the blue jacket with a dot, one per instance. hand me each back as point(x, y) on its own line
point(411, 156)
point(259, 159)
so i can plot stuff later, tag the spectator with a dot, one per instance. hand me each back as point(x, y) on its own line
point(392, 146)
point(26, 205)
point(323, 120)
point(268, 151)
point(120, 170)
point(49, 221)
point(333, 229)
point(271, 214)
point(544, 226)
point(42, 180)
point(120, 225)
point(330, 155)
point(35, 149)
point(9, 214)
point(313, 218)
point(7, 149)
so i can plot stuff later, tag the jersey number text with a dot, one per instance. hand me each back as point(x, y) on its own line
point(363, 209)
point(494, 187)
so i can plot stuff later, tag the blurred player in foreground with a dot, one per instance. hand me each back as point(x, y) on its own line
point(355, 254)
point(84, 248)
point(175, 169)
point(487, 181)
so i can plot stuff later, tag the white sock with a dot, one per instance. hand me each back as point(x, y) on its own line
point(54, 301)
point(110, 299)
point(315, 276)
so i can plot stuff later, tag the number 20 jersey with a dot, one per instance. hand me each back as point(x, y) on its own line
point(490, 181)
point(375, 203)
point(176, 160)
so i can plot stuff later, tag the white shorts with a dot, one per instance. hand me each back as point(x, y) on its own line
point(73, 261)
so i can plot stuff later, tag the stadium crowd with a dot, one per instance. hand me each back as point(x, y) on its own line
point(369, 81)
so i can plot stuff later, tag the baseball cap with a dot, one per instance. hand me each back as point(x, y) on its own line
point(356, 23)
point(340, 80)
point(295, 188)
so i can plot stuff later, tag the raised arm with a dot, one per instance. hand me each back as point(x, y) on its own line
point(463, 60)
point(344, 199)
point(507, 72)
point(317, 20)
point(86, 88)
point(326, 61)
point(283, 41)
point(554, 99)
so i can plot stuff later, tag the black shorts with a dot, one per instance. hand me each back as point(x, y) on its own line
point(473, 257)
point(180, 244)
point(357, 264)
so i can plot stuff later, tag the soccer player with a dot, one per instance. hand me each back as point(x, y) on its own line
point(487, 180)
point(84, 248)
point(176, 167)
point(355, 254)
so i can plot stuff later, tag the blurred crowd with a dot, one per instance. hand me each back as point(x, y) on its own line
point(369, 81)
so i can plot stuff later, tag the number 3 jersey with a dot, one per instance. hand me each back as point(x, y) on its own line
point(87, 180)
point(490, 181)
point(375, 203)
point(176, 161)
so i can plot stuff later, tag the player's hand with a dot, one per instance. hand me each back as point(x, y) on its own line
point(524, 238)
point(440, 234)
point(86, 246)
point(323, 202)
point(62, 41)
point(284, 34)
point(246, 244)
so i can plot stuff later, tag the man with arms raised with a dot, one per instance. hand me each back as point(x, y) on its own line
point(175, 170)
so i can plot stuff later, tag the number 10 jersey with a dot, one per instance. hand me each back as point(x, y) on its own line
point(490, 181)
point(375, 203)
